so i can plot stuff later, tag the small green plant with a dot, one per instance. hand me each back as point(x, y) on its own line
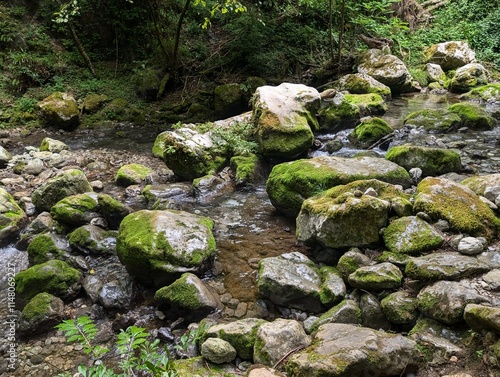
point(138, 355)
point(238, 139)
point(191, 337)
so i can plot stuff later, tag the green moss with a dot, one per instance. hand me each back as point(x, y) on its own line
point(473, 116)
point(369, 131)
point(428, 302)
point(38, 307)
point(433, 120)
point(337, 117)
point(484, 93)
point(372, 103)
point(180, 292)
point(75, 209)
point(132, 174)
point(244, 167)
point(42, 249)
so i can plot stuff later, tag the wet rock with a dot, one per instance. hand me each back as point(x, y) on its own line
point(290, 280)
point(337, 113)
point(411, 235)
point(444, 266)
point(482, 318)
point(47, 246)
point(344, 350)
point(60, 110)
point(369, 131)
point(76, 210)
point(347, 311)
point(241, 334)
point(12, 217)
point(113, 210)
point(400, 308)
point(473, 116)
point(461, 207)
point(289, 184)
point(445, 301)
point(217, 351)
point(471, 245)
point(156, 247)
point(188, 297)
point(433, 121)
point(117, 294)
point(52, 145)
point(450, 55)
point(42, 313)
point(91, 239)
point(277, 339)
point(378, 277)
point(351, 261)
point(333, 288)
point(286, 118)
point(66, 183)
point(55, 277)
point(371, 313)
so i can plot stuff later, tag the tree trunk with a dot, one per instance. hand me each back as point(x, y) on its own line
point(341, 34)
point(175, 57)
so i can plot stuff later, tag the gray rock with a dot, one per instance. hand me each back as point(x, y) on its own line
point(439, 350)
point(400, 308)
point(468, 77)
point(12, 217)
point(450, 55)
point(446, 265)
point(378, 277)
point(333, 288)
point(91, 239)
point(277, 339)
point(117, 294)
point(344, 350)
point(360, 83)
point(52, 145)
point(351, 261)
point(5, 157)
point(471, 246)
point(435, 73)
point(372, 314)
point(217, 351)
point(41, 314)
point(482, 318)
point(347, 311)
point(445, 301)
point(492, 278)
point(290, 280)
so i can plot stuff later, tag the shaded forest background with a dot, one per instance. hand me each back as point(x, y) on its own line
point(112, 47)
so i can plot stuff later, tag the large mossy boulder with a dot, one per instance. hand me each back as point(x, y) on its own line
point(360, 83)
point(444, 199)
point(369, 131)
point(346, 350)
point(55, 277)
point(433, 120)
point(387, 69)
point(432, 161)
point(290, 183)
point(156, 247)
point(60, 110)
point(411, 235)
point(337, 113)
point(450, 55)
point(285, 117)
point(12, 217)
point(468, 77)
point(473, 116)
point(487, 185)
point(68, 182)
point(291, 280)
point(489, 93)
point(76, 210)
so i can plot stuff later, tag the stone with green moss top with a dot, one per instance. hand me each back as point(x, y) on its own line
point(482, 318)
point(468, 77)
point(346, 350)
point(333, 288)
point(369, 104)
point(42, 313)
point(132, 174)
point(351, 261)
point(400, 308)
point(346, 311)
point(76, 210)
point(411, 235)
point(60, 110)
point(241, 334)
point(359, 83)
point(198, 367)
point(189, 297)
point(441, 198)
point(245, 168)
point(377, 277)
point(156, 247)
point(338, 113)
point(113, 210)
point(12, 217)
point(400, 260)
point(473, 116)
point(228, 100)
point(433, 120)
point(68, 182)
point(450, 55)
point(47, 246)
point(432, 161)
point(369, 131)
point(93, 102)
point(52, 145)
point(91, 239)
point(55, 277)
point(489, 93)
point(289, 184)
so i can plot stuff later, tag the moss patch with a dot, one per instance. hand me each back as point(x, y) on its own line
point(473, 116)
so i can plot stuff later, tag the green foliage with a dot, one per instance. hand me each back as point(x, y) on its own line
point(139, 356)
point(237, 140)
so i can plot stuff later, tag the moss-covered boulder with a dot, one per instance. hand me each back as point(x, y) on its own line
point(444, 266)
point(333, 288)
point(484, 185)
point(468, 77)
point(286, 118)
point(435, 74)
point(41, 314)
point(433, 120)
point(482, 318)
point(68, 182)
point(55, 277)
point(347, 311)
point(94, 102)
point(132, 174)
point(156, 247)
point(360, 83)
point(377, 277)
point(148, 82)
point(290, 280)
point(60, 110)
point(369, 131)
point(351, 261)
point(228, 100)
point(91, 239)
point(346, 350)
point(241, 334)
point(387, 69)
point(450, 55)
point(441, 198)
point(113, 210)
point(12, 217)
point(289, 184)
point(337, 113)
point(400, 308)
point(245, 168)
point(432, 161)
point(473, 116)
point(411, 235)
point(369, 104)
point(76, 210)
point(489, 93)
point(47, 246)
point(187, 297)
point(52, 145)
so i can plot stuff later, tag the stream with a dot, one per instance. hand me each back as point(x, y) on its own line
point(247, 229)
